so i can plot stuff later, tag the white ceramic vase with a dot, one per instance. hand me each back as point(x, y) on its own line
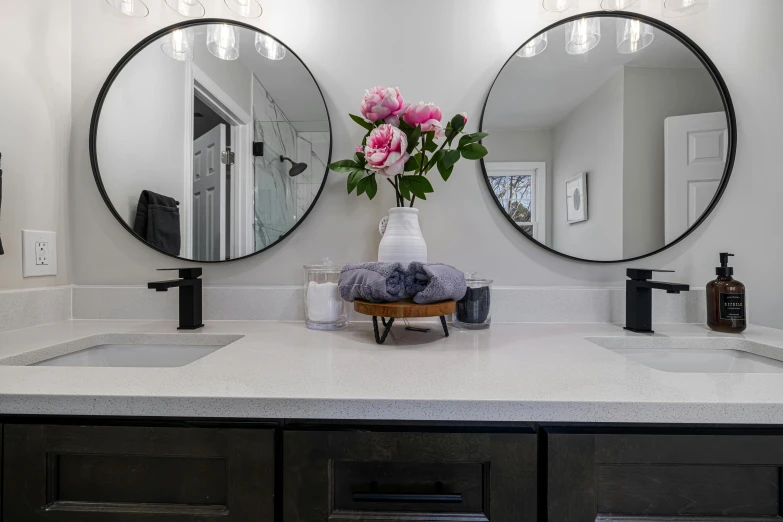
point(403, 241)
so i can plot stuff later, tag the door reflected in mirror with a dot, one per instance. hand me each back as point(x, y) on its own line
point(610, 142)
point(210, 146)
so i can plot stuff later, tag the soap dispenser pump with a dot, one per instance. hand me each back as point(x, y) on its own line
point(726, 300)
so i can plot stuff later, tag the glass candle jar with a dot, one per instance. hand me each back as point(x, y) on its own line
point(324, 308)
point(474, 311)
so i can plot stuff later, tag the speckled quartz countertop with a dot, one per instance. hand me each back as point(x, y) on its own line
point(526, 373)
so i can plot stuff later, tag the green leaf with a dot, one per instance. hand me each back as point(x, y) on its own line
point(471, 138)
point(404, 127)
point(372, 188)
point(435, 159)
point(360, 159)
point(403, 187)
point(458, 122)
point(412, 165)
point(344, 166)
point(353, 179)
point(421, 157)
point(430, 145)
point(474, 151)
point(445, 173)
point(361, 187)
point(450, 158)
point(361, 121)
point(418, 185)
point(413, 138)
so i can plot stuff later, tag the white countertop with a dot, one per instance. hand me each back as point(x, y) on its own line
point(519, 372)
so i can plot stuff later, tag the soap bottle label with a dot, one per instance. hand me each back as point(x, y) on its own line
point(732, 306)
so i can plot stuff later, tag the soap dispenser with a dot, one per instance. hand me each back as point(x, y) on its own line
point(726, 300)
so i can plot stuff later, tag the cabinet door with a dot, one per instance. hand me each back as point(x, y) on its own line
point(355, 476)
point(133, 474)
point(622, 477)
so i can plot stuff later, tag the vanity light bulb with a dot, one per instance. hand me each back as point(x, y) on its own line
point(633, 36)
point(189, 8)
point(558, 6)
point(179, 45)
point(582, 35)
point(269, 47)
point(134, 8)
point(245, 8)
point(672, 8)
point(534, 47)
point(223, 41)
point(616, 5)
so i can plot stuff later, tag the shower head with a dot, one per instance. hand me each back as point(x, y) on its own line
point(296, 168)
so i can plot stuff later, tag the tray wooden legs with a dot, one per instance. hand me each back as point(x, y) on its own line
point(380, 339)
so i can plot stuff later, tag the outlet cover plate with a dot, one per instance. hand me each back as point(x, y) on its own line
point(39, 253)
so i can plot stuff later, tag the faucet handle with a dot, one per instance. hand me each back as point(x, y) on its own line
point(185, 273)
point(644, 274)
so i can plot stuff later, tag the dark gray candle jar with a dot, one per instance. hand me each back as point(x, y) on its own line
point(474, 311)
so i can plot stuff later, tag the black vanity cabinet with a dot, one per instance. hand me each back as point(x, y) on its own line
point(659, 477)
point(122, 473)
point(343, 476)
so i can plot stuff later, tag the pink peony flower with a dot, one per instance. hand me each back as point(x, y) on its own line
point(386, 150)
point(465, 116)
point(428, 115)
point(359, 148)
point(383, 103)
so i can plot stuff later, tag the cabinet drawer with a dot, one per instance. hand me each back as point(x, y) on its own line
point(352, 476)
point(119, 474)
point(663, 477)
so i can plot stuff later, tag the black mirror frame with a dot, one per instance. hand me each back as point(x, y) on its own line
point(96, 114)
point(720, 84)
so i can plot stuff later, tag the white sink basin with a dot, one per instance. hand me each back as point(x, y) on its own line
point(696, 355)
point(126, 350)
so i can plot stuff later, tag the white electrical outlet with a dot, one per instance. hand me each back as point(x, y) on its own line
point(39, 253)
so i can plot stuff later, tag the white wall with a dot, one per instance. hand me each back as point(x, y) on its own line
point(468, 43)
point(651, 96)
point(141, 133)
point(590, 140)
point(232, 76)
point(35, 114)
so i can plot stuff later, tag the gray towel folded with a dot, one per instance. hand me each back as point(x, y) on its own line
point(373, 282)
point(432, 283)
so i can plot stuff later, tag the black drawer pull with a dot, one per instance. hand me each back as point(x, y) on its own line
point(408, 497)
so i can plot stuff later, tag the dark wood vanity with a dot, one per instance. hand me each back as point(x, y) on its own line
point(117, 471)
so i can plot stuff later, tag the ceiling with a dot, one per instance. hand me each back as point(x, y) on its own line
point(539, 92)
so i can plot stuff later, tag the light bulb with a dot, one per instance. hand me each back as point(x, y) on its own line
point(245, 8)
point(633, 35)
point(269, 47)
point(673, 8)
point(179, 45)
point(582, 35)
point(616, 5)
point(534, 47)
point(558, 6)
point(134, 8)
point(223, 41)
point(189, 8)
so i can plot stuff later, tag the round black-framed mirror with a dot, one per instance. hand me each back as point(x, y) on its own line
point(210, 140)
point(612, 137)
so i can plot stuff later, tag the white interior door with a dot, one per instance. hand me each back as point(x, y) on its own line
point(209, 205)
point(696, 150)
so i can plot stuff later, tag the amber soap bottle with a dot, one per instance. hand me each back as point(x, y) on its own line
point(726, 300)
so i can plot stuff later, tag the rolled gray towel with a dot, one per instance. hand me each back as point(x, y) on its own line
point(373, 282)
point(433, 283)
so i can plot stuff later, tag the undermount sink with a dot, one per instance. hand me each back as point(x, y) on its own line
point(696, 355)
point(126, 350)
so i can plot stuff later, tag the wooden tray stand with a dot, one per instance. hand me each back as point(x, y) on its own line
point(405, 309)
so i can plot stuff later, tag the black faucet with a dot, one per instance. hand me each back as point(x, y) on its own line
point(638, 298)
point(190, 287)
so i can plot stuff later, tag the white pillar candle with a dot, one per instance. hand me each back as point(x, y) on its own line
point(324, 304)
